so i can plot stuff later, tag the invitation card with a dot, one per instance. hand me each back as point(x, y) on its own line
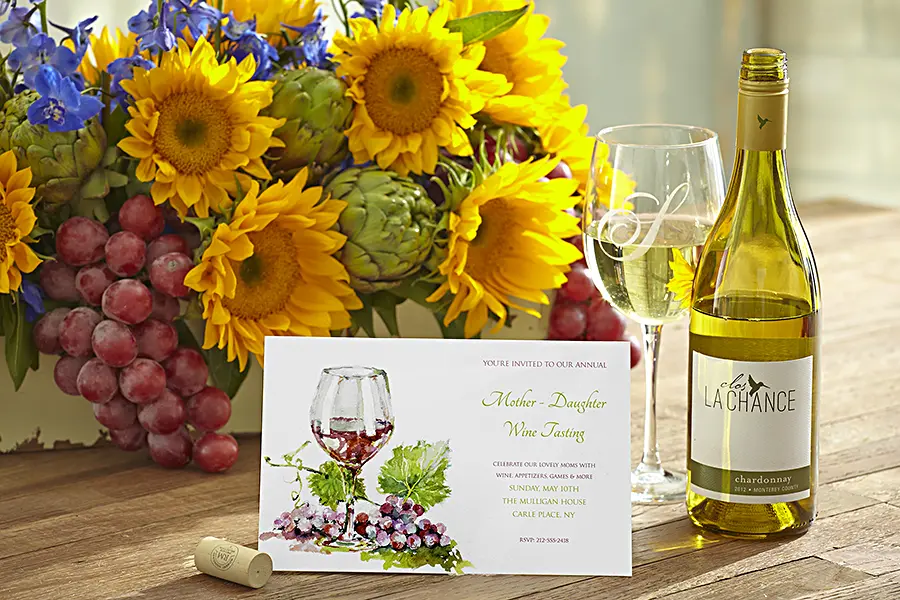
point(446, 456)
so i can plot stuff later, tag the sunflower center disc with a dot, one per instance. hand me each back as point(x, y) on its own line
point(403, 89)
point(267, 279)
point(194, 132)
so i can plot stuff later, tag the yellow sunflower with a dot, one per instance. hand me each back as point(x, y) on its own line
point(507, 244)
point(16, 223)
point(270, 271)
point(104, 49)
point(682, 282)
point(566, 138)
point(194, 123)
point(529, 61)
point(270, 14)
point(415, 86)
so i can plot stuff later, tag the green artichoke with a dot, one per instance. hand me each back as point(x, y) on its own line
point(61, 163)
point(390, 224)
point(315, 104)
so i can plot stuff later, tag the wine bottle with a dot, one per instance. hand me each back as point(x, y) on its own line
point(754, 349)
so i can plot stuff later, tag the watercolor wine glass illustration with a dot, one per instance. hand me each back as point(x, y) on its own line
point(352, 419)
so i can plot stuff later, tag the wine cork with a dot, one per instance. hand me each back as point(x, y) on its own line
point(231, 562)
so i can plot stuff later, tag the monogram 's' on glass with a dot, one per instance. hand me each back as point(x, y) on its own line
point(642, 236)
point(754, 362)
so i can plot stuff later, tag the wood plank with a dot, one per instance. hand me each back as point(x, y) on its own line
point(886, 587)
point(883, 486)
point(785, 582)
point(874, 558)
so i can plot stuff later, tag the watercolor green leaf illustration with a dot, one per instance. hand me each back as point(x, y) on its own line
point(331, 484)
point(418, 473)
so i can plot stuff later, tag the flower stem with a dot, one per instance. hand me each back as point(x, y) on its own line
point(220, 4)
point(42, 8)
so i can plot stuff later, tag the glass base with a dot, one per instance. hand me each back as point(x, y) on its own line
point(657, 486)
point(350, 544)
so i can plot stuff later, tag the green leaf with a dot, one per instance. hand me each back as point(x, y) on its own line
point(417, 473)
point(227, 376)
point(484, 26)
point(385, 305)
point(363, 317)
point(446, 557)
point(116, 180)
point(20, 349)
point(332, 484)
point(115, 126)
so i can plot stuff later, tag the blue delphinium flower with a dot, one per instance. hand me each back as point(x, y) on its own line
point(61, 106)
point(141, 23)
point(42, 50)
point(200, 16)
point(372, 9)
point(34, 300)
point(313, 48)
point(80, 34)
point(252, 43)
point(21, 24)
point(4, 6)
point(234, 29)
point(121, 70)
point(157, 29)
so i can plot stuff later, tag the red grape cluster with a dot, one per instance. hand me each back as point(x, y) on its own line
point(119, 348)
point(305, 526)
point(580, 312)
point(394, 524)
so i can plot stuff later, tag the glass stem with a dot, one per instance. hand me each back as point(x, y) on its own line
point(650, 459)
point(351, 500)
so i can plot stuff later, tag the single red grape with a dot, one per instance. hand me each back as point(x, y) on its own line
point(129, 439)
point(165, 308)
point(171, 450)
point(164, 415)
point(209, 409)
point(168, 271)
point(604, 323)
point(92, 281)
point(186, 372)
point(76, 329)
point(46, 331)
point(97, 381)
point(215, 452)
point(579, 286)
point(141, 216)
point(156, 339)
point(637, 351)
point(128, 301)
point(65, 374)
point(519, 148)
point(118, 413)
point(143, 381)
point(58, 281)
point(125, 253)
point(80, 241)
point(165, 244)
point(560, 171)
point(114, 343)
point(567, 321)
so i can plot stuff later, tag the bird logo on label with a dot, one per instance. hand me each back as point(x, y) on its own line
point(762, 121)
point(755, 385)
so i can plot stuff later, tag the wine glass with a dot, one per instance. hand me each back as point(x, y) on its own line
point(653, 195)
point(352, 419)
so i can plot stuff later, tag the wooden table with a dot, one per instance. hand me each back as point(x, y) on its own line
point(100, 523)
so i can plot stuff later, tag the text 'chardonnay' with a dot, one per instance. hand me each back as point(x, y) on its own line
point(754, 352)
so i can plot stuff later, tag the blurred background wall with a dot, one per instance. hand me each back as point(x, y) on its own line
point(665, 61)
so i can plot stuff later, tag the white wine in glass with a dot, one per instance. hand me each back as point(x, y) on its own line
point(635, 241)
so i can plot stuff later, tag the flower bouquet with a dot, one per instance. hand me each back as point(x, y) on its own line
point(223, 172)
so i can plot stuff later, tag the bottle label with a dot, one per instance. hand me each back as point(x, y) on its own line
point(751, 429)
point(762, 120)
